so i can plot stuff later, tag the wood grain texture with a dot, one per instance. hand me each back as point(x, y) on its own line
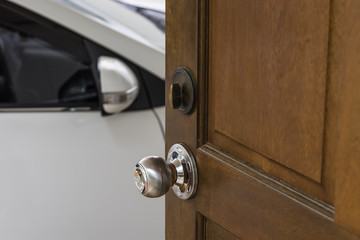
point(181, 50)
point(216, 232)
point(346, 78)
point(242, 204)
point(250, 209)
point(324, 192)
point(322, 189)
point(269, 86)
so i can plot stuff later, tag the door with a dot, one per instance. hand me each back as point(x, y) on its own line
point(276, 127)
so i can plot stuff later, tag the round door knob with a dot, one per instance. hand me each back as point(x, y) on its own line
point(154, 176)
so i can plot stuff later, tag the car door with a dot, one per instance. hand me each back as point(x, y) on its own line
point(275, 131)
point(65, 165)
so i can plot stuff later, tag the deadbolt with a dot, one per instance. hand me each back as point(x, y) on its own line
point(154, 176)
point(182, 90)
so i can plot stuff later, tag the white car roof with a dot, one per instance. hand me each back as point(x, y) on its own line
point(112, 25)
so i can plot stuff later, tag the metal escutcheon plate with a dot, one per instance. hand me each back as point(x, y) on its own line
point(183, 160)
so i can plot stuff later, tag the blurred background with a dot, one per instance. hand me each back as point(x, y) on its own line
point(81, 101)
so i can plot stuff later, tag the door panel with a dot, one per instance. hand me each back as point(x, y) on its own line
point(67, 175)
point(273, 115)
point(252, 206)
point(271, 131)
point(271, 42)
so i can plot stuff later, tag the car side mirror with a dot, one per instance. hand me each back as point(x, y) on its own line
point(119, 85)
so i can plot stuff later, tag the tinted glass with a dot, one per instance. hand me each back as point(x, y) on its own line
point(36, 74)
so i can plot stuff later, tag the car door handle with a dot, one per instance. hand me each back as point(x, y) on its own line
point(154, 176)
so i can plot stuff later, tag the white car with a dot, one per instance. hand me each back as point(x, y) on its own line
point(81, 101)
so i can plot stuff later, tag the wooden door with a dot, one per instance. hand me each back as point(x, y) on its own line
point(276, 128)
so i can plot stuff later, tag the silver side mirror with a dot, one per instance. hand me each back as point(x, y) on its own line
point(119, 85)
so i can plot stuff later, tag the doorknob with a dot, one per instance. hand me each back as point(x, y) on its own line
point(154, 176)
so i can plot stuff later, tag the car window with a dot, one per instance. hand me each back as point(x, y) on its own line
point(34, 73)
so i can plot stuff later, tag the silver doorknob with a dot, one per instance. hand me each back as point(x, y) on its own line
point(154, 176)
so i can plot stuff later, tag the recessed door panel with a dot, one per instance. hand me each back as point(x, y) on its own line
point(268, 71)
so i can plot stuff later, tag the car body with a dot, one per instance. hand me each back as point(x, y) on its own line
point(69, 140)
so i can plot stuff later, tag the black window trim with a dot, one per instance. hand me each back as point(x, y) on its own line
point(18, 18)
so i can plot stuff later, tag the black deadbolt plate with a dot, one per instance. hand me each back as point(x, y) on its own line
point(182, 94)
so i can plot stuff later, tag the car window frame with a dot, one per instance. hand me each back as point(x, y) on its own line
point(22, 20)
